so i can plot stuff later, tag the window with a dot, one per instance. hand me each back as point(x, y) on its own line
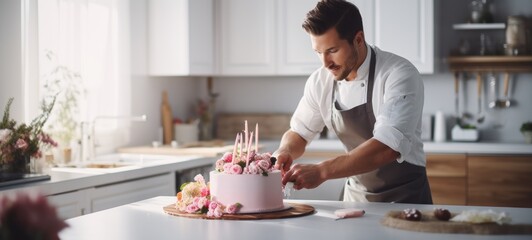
point(83, 48)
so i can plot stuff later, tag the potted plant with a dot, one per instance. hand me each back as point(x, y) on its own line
point(20, 143)
point(67, 85)
point(526, 129)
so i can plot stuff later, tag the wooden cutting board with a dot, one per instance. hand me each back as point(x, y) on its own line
point(272, 126)
point(429, 223)
point(295, 210)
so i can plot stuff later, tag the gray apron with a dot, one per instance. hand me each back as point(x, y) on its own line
point(396, 182)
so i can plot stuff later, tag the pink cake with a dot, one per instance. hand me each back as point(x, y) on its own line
point(254, 192)
point(244, 181)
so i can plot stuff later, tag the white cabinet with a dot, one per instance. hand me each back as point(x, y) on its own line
point(84, 201)
point(405, 28)
point(246, 34)
point(114, 195)
point(71, 204)
point(181, 37)
point(265, 37)
point(295, 55)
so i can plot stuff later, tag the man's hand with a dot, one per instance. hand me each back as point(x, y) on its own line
point(304, 176)
point(284, 161)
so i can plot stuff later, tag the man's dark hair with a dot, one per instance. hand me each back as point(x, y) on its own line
point(342, 15)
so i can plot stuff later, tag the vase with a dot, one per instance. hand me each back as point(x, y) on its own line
point(20, 164)
point(528, 136)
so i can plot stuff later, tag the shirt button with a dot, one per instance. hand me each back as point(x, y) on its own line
point(362, 85)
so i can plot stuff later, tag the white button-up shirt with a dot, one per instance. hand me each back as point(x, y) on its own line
point(397, 104)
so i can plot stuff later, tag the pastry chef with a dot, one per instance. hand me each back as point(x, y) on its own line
point(372, 100)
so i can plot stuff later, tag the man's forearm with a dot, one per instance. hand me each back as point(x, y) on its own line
point(292, 144)
point(367, 157)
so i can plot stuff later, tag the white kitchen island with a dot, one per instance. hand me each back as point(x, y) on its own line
point(147, 220)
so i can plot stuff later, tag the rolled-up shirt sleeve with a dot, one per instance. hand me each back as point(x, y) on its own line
point(398, 117)
point(307, 120)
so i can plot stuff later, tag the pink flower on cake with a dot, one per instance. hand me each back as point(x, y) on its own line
point(227, 168)
point(220, 165)
point(227, 157)
point(264, 164)
point(236, 169)
point(253, 168)
point(213, 205)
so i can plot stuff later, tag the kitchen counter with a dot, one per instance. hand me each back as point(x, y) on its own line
point(67, 180)
point(434, 147)
point(146, 220)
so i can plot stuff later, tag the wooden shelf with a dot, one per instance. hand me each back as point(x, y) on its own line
point(479, 26)
point(490, 63)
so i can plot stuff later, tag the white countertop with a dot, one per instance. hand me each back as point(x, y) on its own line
point(443, 147)
point(75, 179)
point(146, 220)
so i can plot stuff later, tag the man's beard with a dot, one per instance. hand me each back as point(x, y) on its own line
point(350, 64)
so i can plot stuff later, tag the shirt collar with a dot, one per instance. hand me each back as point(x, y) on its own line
point(362, 72)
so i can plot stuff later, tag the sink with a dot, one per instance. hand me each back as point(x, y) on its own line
point(117, 162)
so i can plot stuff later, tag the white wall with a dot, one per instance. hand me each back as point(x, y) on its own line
point(11, 57)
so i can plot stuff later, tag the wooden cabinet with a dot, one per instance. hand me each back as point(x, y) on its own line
point(447, 175)
point(181, 37)
point(500, 181)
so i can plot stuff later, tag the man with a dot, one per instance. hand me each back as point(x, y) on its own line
point(373, 100)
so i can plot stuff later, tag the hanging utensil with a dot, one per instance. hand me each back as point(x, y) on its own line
point(506, 102)
point(493, 94)
point(480, 117)
point(456, 97)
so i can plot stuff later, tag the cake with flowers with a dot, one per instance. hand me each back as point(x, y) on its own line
point(244, 181)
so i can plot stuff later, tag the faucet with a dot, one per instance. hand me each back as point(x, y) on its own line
point(88, 138)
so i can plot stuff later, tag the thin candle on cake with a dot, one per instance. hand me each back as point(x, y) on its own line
point(248, 149)
point(234, 149)
point(257, 138)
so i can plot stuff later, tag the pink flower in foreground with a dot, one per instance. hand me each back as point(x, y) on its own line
point(29, 218)
point(192, 208)
point(199, 178)
point(233, 208)
point(205, 192)
point(213, 205)
point(236, 169)
point(4, 134)
point(202, 202)
point(21, 144)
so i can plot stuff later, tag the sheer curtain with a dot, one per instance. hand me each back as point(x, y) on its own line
point(90, 38)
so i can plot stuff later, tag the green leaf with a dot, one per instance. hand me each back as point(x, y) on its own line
point(204, 210)
point(242, 164)
point(183, 186)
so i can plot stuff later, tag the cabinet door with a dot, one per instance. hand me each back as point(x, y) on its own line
point(247, 35)
point(500, 181)
point(181, 37)
point(132, 191)
point(406, 28)
point(295, 53)
point(71, 204)
point(447, 178)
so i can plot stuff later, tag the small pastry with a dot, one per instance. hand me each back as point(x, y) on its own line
point(411, 214)
point(442, 214)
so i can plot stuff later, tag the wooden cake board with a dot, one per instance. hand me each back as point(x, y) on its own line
point(429, 223)
point(295, 210)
